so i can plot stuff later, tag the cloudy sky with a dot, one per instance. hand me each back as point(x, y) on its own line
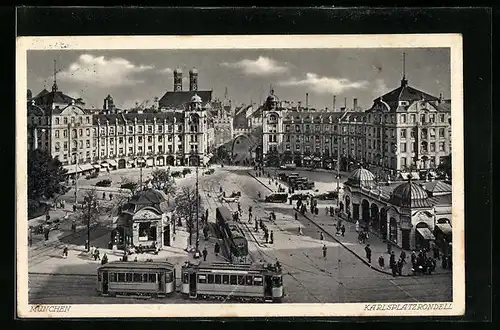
point(136, 75)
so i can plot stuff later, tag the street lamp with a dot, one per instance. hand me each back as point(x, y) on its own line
point(76, 176)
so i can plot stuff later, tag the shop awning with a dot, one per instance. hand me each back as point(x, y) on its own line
point(77, 169)
point(130, 162)
point(426, 233)
point(104, 165)
point(414, 175)
point(86, 167)
point(445, 228)
point(112, 163)
point(71, 169)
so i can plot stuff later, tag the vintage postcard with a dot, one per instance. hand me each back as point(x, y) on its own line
point(237, 176)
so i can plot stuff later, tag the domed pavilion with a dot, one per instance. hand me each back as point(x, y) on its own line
point(409, 214)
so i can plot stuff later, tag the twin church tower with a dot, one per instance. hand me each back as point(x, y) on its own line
point(193, 80)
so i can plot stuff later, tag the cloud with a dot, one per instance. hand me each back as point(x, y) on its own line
point(260, 67)
point(103, 72)
point(325, 85)
point(166, 71)
point(380, 88)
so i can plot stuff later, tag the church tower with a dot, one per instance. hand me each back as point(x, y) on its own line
point(177, 80)
point(193, 80)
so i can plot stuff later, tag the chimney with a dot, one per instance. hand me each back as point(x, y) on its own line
point(355, 104)
point(307, 100)
point(440, 97)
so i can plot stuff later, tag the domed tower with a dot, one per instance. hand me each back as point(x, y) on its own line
point(361, 177)
point(193, 80)
point(177, 80)
point(410, 195)
point(271, 101)
point(108, 103)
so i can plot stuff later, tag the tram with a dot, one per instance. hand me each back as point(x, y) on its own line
point(235, 243)
point(136, 278)
point(256, 282)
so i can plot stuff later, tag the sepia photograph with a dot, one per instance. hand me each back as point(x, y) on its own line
point(278, 175)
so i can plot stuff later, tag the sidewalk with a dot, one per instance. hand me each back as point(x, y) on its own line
point(350, 242)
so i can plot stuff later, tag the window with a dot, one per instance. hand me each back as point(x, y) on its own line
point(57, 133)
point(233, 279)
point(403, 161)
point(131, 129)
point(412, 133)
point(65, 120)
point(58, 146)
point(403, 134)
point(179, 128)
point(57, 120)
point(111, 141)
point(241, 280)
point(87, 144)
point(150, 129)
point(72, 120)
point(160, 128)
point(80, 120)
point(432, 146)
point(140, 139)
point(80, 145)
point(218, 279)
point(432, 133)
point(403, 147)
point(73, 133)
point(249, 280)
point(128, 277)
point(422, 119)
point(130, 140)
point(441, 118)
point(169, 138)
point(297, 128)
point(160, 138)
point(257, 280)
point(202, 278)
point(185, 278)
point(297, 147)
point(403, 119)
point(87, 120)
point(65, 145)
point(287, 128)
point(423, 133)
point(152, 278)
point(225, 279)
point(140, 129)
point(150, 139)
point(87, 131)
point(441, 146)
point(441, 132)
point(210, 278)
point(287, 147)
point(432, 118)
point(121, 277)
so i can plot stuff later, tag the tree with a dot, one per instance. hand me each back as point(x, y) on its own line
point(186, 207)
point(89, 211)
point(162, 179)
point(45, 175)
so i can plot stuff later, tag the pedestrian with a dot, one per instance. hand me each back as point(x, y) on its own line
point(256, 225)
point(413, 258)
point(74, 207)
point(368, 253)
point(381, 261)
point(392, 259)
point(357, 226)
point(271, 237)
point(104, 259)
point(402, 256)
point(217, 248)
point(266, 236)
point(205, 253)
point(321, 236)
point(110, 196)
point(400, 266)
point(261, 224)
point(296, 216)
point(126, 258)
point(300, 231)
point(104, 195)
point(65, 252)
point(342, 230)
point(360, 238)
point(324, 251)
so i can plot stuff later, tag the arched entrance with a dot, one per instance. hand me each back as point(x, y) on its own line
point(393, 230)
point(170, 161)
point(160, 161)
point(383, 222)
point(423, 236)
point(341, 206)
point(241, 149)
point(374, 217)
point(122, 163)
point(194, 161)
point(365, 213)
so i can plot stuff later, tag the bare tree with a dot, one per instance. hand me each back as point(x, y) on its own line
point(126, 183)
point(186, 207)
point(162, 179)
point(89, 211)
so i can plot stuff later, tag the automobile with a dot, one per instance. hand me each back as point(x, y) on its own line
point(104, 183)
point(210, 171)
point(300, 196)
point(176, 174)
point(277, 198)
point(235, 194)
point(186, 171)
point(329, 195)
point(92, 175)
point(52, 224)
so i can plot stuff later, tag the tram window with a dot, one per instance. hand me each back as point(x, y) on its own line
point(202, 279)
point(121, 277)
point(241, 280)
point(152, 278)
point(277, 281)
point(233, 279)
point(129, 277)
point(185, 278)
point(249, 280)
point(145, 277)
point(168, 277)
point(99, 277)
point(217, 279)
point(225, 279)
point(112, 277)
point(137, 277)
point(257, 281)
point(210, 279)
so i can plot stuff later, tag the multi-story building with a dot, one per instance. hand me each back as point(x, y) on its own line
point(177, 135)
point(405, 129)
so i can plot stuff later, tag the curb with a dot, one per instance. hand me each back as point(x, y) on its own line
point(348, 249)
point(253, 176)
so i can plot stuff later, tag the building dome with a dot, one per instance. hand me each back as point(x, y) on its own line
point(148, 198)
point(410, 194)
point(361, 178)
point(178, 70)
point(195, 99)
